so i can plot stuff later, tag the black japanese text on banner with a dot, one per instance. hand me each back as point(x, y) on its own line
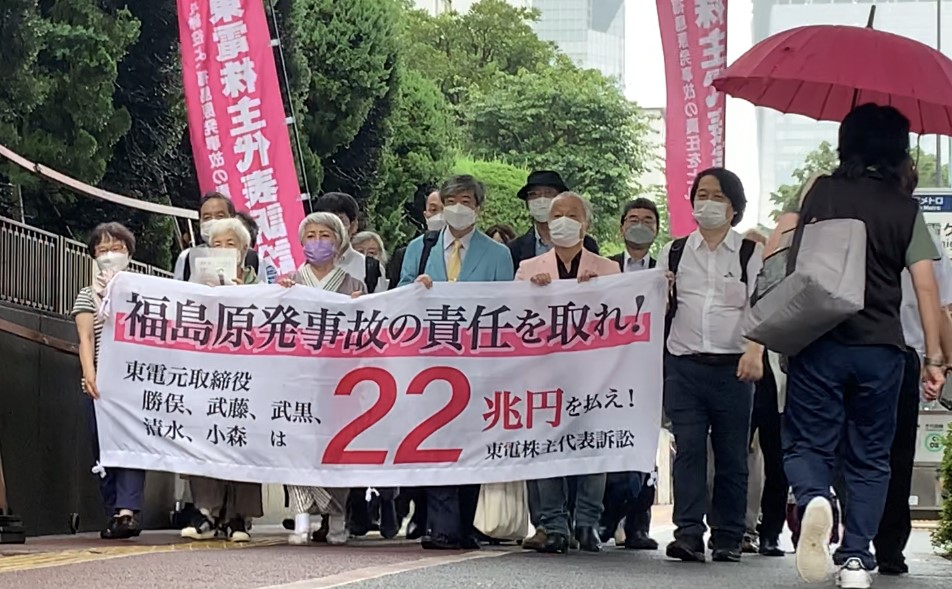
point(464, 383)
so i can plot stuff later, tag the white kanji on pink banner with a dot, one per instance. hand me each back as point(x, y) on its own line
point(694, 38)
point(237, 122)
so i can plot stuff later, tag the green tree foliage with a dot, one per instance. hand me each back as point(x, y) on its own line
point(149, 87)
point(824, 160)
point(419, 151)
point(23, 32)
point(77, 124)
point(502, 182)
point(567, 119)
point(942, 536)
point(346, 51)
point(464, 51)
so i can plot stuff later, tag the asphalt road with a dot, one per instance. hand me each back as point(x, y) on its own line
point(158, 561)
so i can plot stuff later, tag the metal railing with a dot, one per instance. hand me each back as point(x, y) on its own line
point(44, 271)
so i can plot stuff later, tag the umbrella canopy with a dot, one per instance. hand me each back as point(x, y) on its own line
point(822, 72)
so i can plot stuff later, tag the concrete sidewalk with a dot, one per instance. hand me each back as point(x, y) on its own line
point(161, 560)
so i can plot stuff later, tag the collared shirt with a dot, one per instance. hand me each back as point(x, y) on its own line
point(540, 246)
point(909, 309)
point(712, 298)
point(632, 265)
point(572, 271)
point(448, 239)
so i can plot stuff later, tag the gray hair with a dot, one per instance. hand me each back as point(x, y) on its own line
point(232, 225)
point(465, 184)
point(371, 236)
point(332, 222)
point(586, 205)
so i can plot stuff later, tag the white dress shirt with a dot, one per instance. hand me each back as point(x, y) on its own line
point(712, 299)
point(448, 245)
point(909, 309)
point(632, 265)
point(355, 264)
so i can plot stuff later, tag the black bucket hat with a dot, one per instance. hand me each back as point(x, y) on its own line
point(542, 178)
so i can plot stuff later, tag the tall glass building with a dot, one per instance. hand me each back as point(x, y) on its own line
point(785, 140)
point(590, 32)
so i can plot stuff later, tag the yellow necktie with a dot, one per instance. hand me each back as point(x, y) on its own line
point(455, 262)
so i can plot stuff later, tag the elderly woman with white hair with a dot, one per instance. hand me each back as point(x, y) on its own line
point(226, 506)
point(324, 240)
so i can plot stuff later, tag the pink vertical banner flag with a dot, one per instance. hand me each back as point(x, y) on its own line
point(236, 120)
point(694, 39)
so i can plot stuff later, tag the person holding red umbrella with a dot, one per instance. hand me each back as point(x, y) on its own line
point(843, 389)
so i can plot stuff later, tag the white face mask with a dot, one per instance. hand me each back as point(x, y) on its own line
point(436, 222)
point(206, 231)
point(710, 214)
point(112, 262)
point(539, 209)
point(565, 232)
point(459, 216)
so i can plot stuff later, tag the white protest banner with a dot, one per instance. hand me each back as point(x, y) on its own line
point(464, 383)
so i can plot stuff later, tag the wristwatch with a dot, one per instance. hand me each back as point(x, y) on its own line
point(937, 362)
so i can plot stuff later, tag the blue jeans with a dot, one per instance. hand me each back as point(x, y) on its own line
point(702, 397)
point(841, 411)
point(121, 488)
point(555, 502)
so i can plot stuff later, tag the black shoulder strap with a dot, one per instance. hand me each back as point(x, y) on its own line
point(371, 273)
point(429, 240)
point(675, 253)
point(620, 258)
point(187, 273)
point(652, 262)
point(747, 248)
point(674, 260)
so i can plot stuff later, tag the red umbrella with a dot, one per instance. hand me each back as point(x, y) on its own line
point(824, 71)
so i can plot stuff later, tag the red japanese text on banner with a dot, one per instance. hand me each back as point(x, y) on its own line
point(459, 384)
point(694, 39)
point(236, 120)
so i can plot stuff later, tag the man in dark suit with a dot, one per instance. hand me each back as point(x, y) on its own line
point(540, 189)
point(639, 228)
point(630, 495)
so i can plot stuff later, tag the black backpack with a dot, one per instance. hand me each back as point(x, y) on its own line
point(747, 248)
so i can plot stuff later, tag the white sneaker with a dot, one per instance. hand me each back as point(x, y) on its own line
point(852, 575)
point(299, 539)
point(813, 550)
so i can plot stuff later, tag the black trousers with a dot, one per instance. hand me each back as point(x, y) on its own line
point(451, 511)
point(636, 512)
point(896, 523)
point(765, 420)
point(417, 496)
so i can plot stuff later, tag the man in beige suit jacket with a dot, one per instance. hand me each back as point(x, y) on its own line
point(569, 219)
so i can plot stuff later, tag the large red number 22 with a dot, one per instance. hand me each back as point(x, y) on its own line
point(408, 452)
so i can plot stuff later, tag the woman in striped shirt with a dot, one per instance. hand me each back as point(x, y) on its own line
point(112, 245)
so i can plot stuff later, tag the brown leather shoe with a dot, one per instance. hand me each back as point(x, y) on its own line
point(536, 541)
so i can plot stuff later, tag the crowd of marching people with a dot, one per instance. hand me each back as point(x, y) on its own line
point(835, 423)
